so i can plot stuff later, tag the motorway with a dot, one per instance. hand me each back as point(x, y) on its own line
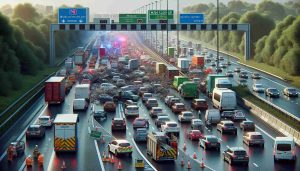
point(89, 155)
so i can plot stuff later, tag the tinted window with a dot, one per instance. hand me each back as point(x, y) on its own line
point(172, 125)
point(33, 129)
point(212, 139)
point(284, 147)
point(229, 124)
point(256, 137)
point(217, 97)
point(124, 144)
point(118, 121)
point(241, 153)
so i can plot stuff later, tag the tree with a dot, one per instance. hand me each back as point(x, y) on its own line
point(26, 12)
point(272, 9)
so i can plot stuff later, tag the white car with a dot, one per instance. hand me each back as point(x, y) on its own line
point(185, 116)
point(170, 127)
point(45, 121)
point(132, 110)
point(168, 98)
point(119, 147)
point(258, 88)
point(107, 86)
point(115, 78)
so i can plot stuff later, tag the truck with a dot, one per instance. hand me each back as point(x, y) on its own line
point(171, 51)
point(197, 61)
point(191, 51)
point(55, 90)
point(210, 82)
point(224, 99)
point(162, 147)
point(188, 89)
point(183, 64)
point(133, 64)
point(101, 52)
point(160, 68)
point(171, 72)
point(223, 83)
point(65, 133)
point(82, 91)
point(183, 50)
point(79, 58)
point(179, 80)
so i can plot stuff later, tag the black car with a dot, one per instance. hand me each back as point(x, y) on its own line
point(290, 92)
point(105, 98)
point(229, 74)
point(100, 115)
point(227, 114)
point(118, 124)
point(243, 74)
point(37, 131)
point(236, 155)
point(219, 69)
point(247, 126)
point(18, 148)
point(255, 75)
point(209, 142)
point(272, 92)
point(238, 69)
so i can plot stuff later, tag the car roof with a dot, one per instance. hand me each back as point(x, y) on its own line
point(162, 116)
point(284, 139)
point(186, 111)
point(131, 106)
point(121, 141)
point(237, 149)
point(254, 133)
point(227, 121)
point(118, 119)
point(196, 120)
point(34, 126)
point(200, 100)
point(171, 122)
point(147, 94)
point(44, 117)
point(174, 98)
point(178, 104)
point(156, 108)
point(211, 136)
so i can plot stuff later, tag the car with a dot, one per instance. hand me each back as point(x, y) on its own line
point(133, 88)
point(253, 138)
point(247, 125)
point(118, 124)
point(170, 127)
point(18, 148)
point(35, 130)
point(228, 63)
point(290, 92)
point(221, 58)
point(151, 102)
point(99, 114)
point(227, 114)
point(226, 126)
point(105, 98)
point(237, 69)
point(243, 74)
point(259, 88)
point(196, 80)
point(140, 123)
point(242, 82)
point(229, 74)
point(143, 90)
point(120, 82)
point(223, 65)
point(219, 69)
point(272, 92)
point(213, 64)
point(185, 116)
point(238, 115)
point(255, 75)
point(140, 134)
point(146, 96)
point(129, 103)
point(154, 111)
point(209, 142)
point(132, 110)
point(80, 104)
point(194, 135)
point(109, 106)
point(107, 86)
point(236, 155)
point(167, 99)
point(197, 124)
point(120, 147)
point(173, 100)
point(115, 78)
point(45, 121)
point(212, 116)
point(199, 104)
point(161, 120)
point(178, 107)
point(284, 149)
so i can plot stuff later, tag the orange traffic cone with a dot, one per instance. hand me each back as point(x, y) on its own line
point(182, 162)
point(104, 157)
point(184, 146)
point(189, 165)
point(63, 165)
point(202, 163)
point(119, 166)
point(112, 160)
point(194, 155)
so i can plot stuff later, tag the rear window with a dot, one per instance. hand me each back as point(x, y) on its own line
point(256, 137)
point(118, 121)
point(241, 153)
point(132, 108)
point(44, 119)
point(212, 139)
point(147, 95)
point(124, 144)
point(188, 114)
point(201, 102)
point(284, 147)
point(172, 125)
point(152, 101)
point(180, 106)
point(157, 110)
point(164, 119)
point(33, 129)
point(228, 124)
point(175, 100)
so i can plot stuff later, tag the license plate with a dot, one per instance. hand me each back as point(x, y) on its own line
point(213, 144)
point(240, 157)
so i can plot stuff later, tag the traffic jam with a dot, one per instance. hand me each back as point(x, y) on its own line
point(145, 111)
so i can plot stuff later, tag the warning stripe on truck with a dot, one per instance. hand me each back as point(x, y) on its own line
point(61, 144)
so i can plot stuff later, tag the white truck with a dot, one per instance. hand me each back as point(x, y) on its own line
point(82, 91)
point(80, 104)
point(183, 64)
point(223, 83)
point(224, 99)
point(65, 133)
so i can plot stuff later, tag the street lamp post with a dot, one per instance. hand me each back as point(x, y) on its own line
point(178, 30)
point(167, 25)
point(218, 13)
point(162, 35)
point(156, 30)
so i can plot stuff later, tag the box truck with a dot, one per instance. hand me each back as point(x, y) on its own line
point(160, 68)
point(79, 58)
point(188, 89)
point(171, 72)
point(55, 90)
point(65, 133)
point(133, 64)
point(183, 64)
point(171, 51)
point(101, 52)
point(223, 83)
point(161, 147)
point(224, 99)
point(82, 91)
point(198, 61)
point(179, 80)
point(210, 82)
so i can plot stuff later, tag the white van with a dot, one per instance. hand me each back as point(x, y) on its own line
point(224, 99)
point(82, 91)
point(223, 83)
point(80, 104)
point(284, 149)
point(212, 116)
point(132, 110)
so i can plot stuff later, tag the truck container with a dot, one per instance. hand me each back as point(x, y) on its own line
point(79, 58)
point(183, 64)
point(133, 64)
point(102, 52)
point(161, 147)
point(160, 68)
point(224, 99)
point(198, 61)
point(223, 83)
point(65, 133)
point(188, 89)
point(191, 51)
point(171, 51)
point(171, 72)
point(179, 80)
point(55, 90)
point(210, 82)
point(183, 50)
point(82, 91)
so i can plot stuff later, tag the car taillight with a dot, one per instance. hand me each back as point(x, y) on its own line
point(293, 152)
point(234, 156)
point(274, 152)
point(130, 147)
point(207, 142)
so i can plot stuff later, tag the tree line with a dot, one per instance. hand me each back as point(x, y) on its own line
point(275, 30)
point(24, 45)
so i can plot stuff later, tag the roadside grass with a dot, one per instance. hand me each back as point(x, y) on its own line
point(246, 94)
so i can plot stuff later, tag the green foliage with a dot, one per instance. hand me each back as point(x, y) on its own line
point(5, 85)
point(272, 9)
point(26, 12)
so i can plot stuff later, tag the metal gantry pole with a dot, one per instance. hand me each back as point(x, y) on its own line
point(218, 35)
point(151, 32)
point(162, 36)
point(177, 30)
point(167, 25)
point(156, 30)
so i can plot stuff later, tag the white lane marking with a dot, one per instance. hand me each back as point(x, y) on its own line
point(99, 156)
point(89, 130)
point(265, 132)
point(50, 161)
point(129, 133)
point(153, 128)
point(255, 164)
point(126, 128)
point(22, 167)
point(204, 164)
point(220, 139)
point(23, 133)
point(137, 148)
point(273, 81)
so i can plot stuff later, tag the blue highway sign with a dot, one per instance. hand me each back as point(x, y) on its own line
point(73, 15)
point(192, 18)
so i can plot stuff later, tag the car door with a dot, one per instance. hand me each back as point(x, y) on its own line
point(112, 146)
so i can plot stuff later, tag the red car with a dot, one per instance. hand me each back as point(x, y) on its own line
point(140, 123)
point(194, 135)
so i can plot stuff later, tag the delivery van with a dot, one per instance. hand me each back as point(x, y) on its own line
point(224, 99)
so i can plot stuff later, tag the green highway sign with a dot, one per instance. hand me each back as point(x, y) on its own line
point(132, 18)
point(96, 133)
point(160, 14)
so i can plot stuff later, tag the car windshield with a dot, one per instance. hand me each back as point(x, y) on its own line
point(258, 86)
point(211, 139)
point(172, 125)
point(256, 137)
point(157, 110)
point(188, 114)
point(118, 121)
point(273, 90)
point(201, 102)
point(33, 129)
point(229, 124)
point(292, 90)
point(248, 123)
point(284, 147)
point(43, 119)
point(196, 132)
point(124, 144)
point(197, 122)
point(152, 101)
point(240, 153)
point(132, 108)
point(147, 95)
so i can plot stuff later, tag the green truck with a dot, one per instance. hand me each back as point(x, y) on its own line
point(188, 89)
point(179, 80)
point(210, 82)
point(171, 51)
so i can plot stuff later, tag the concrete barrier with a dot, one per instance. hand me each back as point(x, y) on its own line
point(274, 122)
